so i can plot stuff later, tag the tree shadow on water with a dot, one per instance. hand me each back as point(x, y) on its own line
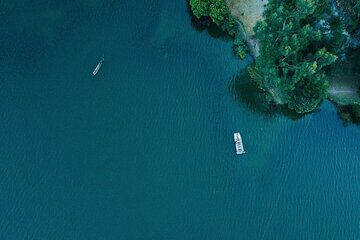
point(249, 95)
point(349, 114)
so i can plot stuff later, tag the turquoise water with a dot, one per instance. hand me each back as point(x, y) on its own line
point(144, 150)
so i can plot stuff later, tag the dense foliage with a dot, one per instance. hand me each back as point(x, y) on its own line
point(294, 53)
point(352, 15)
point(240, 47)
point(218, 11)
point(300, 40)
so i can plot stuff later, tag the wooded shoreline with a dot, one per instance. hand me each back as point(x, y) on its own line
point(299, 48)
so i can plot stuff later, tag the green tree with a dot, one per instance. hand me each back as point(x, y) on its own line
point(218, 12)
point(200, 8)
point(293, 54)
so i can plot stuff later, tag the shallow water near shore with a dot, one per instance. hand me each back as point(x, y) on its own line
point(144, 150)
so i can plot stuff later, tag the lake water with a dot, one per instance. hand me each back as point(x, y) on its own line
point(144, 150)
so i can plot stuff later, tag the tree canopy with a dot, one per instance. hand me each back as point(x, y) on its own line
point(217, 10)
point(293, 54)
point(300, 40)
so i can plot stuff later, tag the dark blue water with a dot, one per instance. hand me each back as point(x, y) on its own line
point(144, 150)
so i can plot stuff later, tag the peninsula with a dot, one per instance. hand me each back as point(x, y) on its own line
point(305, 50)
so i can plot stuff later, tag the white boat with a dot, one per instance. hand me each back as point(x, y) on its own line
point(98, 66)
point(238, 144)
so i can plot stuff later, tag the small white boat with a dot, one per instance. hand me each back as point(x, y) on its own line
point(98, 66)
point(238, 144)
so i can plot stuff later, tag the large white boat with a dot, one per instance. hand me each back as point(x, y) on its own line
point(98, 66)
point(238, 144)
